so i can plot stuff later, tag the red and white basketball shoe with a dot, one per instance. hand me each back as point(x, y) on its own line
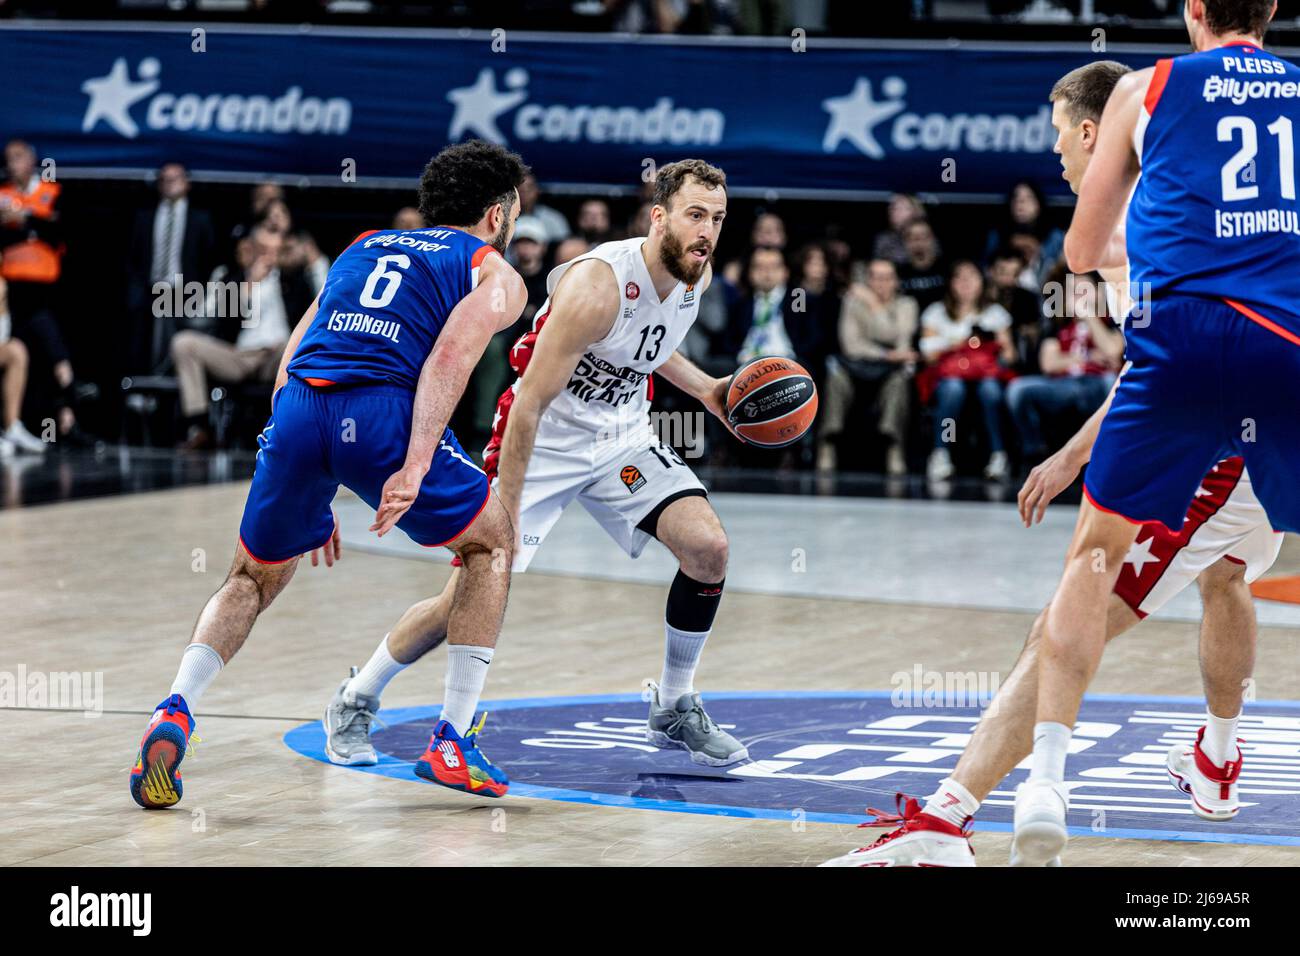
point(1213, 789)
point(918, 839)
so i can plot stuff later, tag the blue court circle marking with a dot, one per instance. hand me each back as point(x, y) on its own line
point(537, 739)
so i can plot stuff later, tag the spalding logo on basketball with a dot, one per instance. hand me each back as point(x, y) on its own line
point(771, 402)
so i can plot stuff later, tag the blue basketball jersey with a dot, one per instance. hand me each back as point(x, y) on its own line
point(1214, 213)
point(384, 302)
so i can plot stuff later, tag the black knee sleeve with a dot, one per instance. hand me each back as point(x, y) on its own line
point(692, 604)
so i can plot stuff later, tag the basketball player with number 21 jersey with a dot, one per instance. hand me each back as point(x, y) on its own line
point(366, 387)
point(1214, 264)
point(575, 425)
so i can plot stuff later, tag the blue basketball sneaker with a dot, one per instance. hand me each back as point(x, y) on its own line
point(456, 762)
point(156, 776)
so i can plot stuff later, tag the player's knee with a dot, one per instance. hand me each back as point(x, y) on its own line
point(183, 342)
point(1222, 578)
point(708, 554)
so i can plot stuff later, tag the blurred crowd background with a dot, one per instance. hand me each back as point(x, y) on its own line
point(913, 318)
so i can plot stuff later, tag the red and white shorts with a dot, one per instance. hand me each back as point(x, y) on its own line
point(1225, 520)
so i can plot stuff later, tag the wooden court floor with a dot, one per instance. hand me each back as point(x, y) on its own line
point(113, 585)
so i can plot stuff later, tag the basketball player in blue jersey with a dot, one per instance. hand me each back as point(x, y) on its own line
point(1214, 339)
point(367, 384)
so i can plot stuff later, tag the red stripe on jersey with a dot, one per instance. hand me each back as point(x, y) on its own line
point(482, 253)
point(1267, 323)
point(1157, 86)
point(368, 232)
point(1134, 584)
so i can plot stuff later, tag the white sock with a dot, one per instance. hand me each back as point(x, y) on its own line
point(1051, 744)
point(1220, 740)
point(467, 667)
point(200, 665)
point(681, 656)
point(374, 677)
point(951, 802)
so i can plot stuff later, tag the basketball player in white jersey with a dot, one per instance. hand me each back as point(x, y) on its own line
point(1225, 544)
point(575, 425)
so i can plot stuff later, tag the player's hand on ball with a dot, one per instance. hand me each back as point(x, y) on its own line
point(400, 492)
point(1044, 483)
point(332, 551)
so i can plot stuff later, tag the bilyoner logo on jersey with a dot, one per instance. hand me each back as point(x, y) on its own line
point(112, 98)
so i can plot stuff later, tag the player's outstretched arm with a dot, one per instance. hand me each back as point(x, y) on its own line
point(291, 346)
point(496, 304)
point(1110, 177)
point(583, 309)
point(1058, 472)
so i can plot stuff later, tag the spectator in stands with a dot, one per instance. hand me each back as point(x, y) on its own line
point(1025, 224)
point(593, 221)
point(570, 248)
point(966, 341)
point(14, 436)
point(903, 208)
point(924, 275)
point(1079, 357)
point(639, 224)
point(31, 262)
point(255, 305)
point(877, 327)
point(1024, 307)
point(276, 217)
point(408, 217)
point(172, 242)
point(768, 232)
point(763, 322)
point(528, 254)
point(263, 195)
point(820, 304)
point(299, 252)
point(557, 227)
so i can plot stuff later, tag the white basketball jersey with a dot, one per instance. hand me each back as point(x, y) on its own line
point(610, 385)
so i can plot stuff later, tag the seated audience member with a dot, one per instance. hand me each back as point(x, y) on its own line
point(768, 232)
point(172, 241)
point(1026, 227)
point(966, 342)
point(1024, 307)
point(1079, 357)
point(924, 274)
point(819, 302)
point(255, 306)
point(527, 253)
point(276, 217)
point(593, 221)
point(407, 218)
point(903, 208)
point(876, 329)
point(14, 436)
point(261, 196)
point(557, 227)
point(763, 322)
point(569, 249)
point(300, 253)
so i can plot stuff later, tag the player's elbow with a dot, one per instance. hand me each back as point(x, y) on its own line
point(1082, 255)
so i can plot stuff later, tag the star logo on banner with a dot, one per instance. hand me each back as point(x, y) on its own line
point(479, 106)
point(1139, 555)
point(112, 96)
point(855, 116)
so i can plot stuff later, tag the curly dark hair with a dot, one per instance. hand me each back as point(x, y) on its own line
point(463, 181)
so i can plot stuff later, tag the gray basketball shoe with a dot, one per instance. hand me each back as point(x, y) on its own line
point(687, 726)
point(347, 728)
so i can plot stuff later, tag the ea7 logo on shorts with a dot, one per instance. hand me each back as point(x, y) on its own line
point(632, 290)
point(632, 477)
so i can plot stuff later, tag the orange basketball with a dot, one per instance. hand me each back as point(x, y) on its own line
point(771, 402)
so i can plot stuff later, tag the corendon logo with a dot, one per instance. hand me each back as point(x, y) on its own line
point(114, 95)
point(854, 118)
point(479, 107)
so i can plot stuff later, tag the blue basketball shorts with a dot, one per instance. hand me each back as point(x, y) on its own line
point(318, 439)
point(1205, 382)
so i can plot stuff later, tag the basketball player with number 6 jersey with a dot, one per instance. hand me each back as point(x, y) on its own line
point(575, 426)
point(366, 387)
